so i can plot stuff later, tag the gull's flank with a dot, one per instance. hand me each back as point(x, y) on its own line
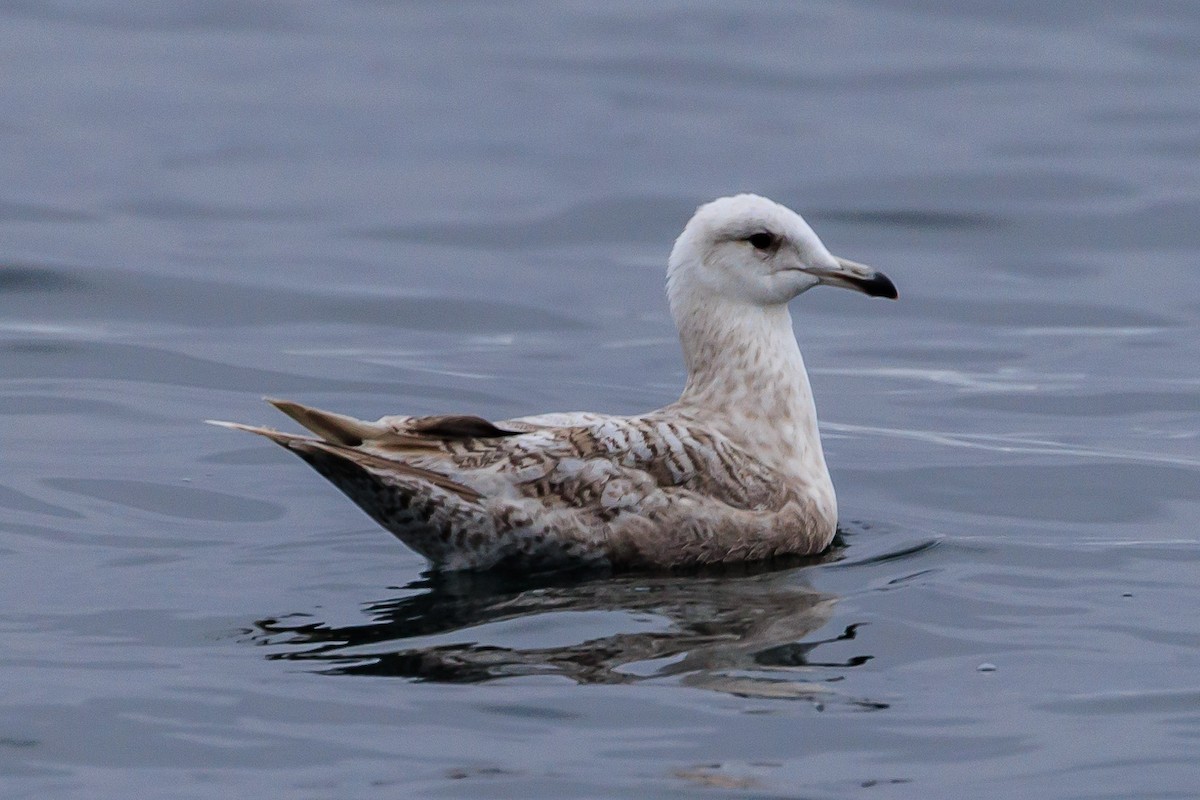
point(732, 471)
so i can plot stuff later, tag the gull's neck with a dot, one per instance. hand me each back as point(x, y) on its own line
point(747, 378)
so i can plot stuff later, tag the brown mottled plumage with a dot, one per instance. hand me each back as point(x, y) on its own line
point(732, 471)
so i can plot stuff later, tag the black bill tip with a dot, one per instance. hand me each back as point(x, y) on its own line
point(878, 285)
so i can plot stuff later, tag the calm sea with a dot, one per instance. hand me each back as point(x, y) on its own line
point(428, 207)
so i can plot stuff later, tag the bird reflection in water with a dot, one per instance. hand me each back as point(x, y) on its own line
point(736, 630)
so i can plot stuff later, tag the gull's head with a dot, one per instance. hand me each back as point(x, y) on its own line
point(750, 250)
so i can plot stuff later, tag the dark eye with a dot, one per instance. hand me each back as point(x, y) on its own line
point(761, 241)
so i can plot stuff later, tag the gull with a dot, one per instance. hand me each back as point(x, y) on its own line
point(732, 471)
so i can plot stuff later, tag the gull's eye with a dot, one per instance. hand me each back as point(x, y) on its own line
point(762, 241)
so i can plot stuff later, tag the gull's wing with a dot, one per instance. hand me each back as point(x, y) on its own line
point(466, 492)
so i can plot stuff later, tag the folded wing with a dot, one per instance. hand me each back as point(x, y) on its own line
point(469, 493)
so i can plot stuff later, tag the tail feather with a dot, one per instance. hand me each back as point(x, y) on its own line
point(426, 510)
point(279, 437)
point(336, 428)
point(307, 447)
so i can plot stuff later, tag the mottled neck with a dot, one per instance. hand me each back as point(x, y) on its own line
point(746, 375)
point(746, 355)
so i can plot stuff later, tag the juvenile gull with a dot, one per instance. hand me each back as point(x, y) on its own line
point(732, 471)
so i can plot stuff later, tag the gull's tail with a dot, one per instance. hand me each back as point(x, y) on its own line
point(424, 509)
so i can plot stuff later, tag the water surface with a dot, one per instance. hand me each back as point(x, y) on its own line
point(425, 208)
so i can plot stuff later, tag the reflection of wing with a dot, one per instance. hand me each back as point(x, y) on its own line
point(468, 493)
point(734, 633)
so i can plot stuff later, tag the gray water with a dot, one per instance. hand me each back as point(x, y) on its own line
point(421, 208)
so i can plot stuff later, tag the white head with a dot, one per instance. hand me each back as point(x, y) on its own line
point(748, 250)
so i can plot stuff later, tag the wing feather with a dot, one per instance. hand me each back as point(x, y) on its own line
point(466, 492)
